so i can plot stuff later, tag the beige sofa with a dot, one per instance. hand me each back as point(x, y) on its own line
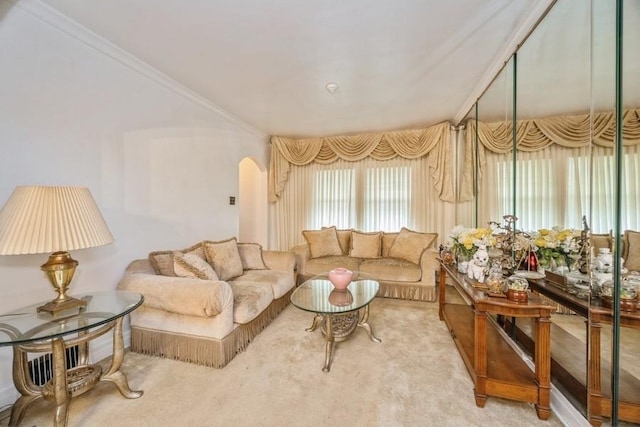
point(405, 263)
point(204, 304)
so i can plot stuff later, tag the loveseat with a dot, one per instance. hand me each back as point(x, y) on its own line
point(204, 304)
point(405, 263)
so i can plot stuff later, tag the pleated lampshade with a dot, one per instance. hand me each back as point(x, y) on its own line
point(39, 219)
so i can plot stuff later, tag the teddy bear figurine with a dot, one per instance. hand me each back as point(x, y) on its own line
point(478, 265)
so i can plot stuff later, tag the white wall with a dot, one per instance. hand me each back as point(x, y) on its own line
point(160, 162)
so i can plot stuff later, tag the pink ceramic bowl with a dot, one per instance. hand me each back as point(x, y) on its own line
point(340, 297)
point(340, 277)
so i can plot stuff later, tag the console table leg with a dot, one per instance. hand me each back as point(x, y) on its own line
point(330, 342)
point(543, 366)
point(115, 375)
point(480, 357)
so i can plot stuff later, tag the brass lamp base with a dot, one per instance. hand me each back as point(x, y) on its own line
point(54, 307)
point(60, 268)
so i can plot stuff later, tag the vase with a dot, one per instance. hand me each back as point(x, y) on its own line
point(340, 277)
point(446, 255)
point(340, 297)
point(462, 261)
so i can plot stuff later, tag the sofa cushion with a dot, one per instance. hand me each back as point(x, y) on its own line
point(224, 258)
point(322, 242)
point(317, 266)
point(391, 269)
point(632, 250)
point(192, 266)
point(251, 256)
point(366, 245)
point(249, 300)
point(409, 245)
point(162, 261)
point(281, 282)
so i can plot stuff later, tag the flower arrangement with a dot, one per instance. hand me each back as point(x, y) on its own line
point(554, 246)
point(466, 241)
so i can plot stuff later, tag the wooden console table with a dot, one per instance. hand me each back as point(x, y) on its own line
point(494, 365)
point(569, 366)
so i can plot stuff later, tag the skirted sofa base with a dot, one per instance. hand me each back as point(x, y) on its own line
point(403, 290)
point(205, 351)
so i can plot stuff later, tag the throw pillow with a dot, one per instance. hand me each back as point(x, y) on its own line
point(409, 245)
point(192, 266)
point(599, 241)
point(251, 256)
point(365, 245)
point(224, 258)
point(632, 250)
point(344, 240)
point(322, 242)
point(162, 261)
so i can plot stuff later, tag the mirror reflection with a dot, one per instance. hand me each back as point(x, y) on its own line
point(572, 184)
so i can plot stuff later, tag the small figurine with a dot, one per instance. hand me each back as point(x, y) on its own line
point(478, 265)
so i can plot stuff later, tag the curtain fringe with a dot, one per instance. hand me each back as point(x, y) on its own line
point(201, 350)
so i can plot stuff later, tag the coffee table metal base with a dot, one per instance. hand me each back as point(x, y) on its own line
point(338, 327)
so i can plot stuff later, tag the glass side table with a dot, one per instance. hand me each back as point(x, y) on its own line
point(28, 331)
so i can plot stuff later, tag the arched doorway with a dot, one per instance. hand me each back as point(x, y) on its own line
point(252, 202)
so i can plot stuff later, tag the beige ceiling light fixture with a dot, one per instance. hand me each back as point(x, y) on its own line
point(331, 87)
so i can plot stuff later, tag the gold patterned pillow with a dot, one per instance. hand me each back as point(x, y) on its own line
point(192, 266)
point(344, 239)
point(366, 245)
point(224, 258)
point(162, 261)
point(322, 242)
point(409, 245)
point(251, 256)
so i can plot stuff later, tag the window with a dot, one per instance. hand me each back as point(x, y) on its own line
point(557, 186)
point(369, 195)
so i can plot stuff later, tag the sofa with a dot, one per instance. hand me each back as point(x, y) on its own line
point(405, 263)
point(205, 303)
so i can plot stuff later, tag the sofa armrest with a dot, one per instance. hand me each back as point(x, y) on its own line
point(279, 260)
point(193, 297)
point(429, 265)
point(302, 255)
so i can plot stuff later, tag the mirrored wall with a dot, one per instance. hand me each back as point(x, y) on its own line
point(569, 99)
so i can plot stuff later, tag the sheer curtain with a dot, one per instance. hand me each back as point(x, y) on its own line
point(550, 186)
point(368, 195)
point(556, 186)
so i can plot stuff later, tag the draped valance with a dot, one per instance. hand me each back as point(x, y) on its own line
point(531, 135)
point(409, 144)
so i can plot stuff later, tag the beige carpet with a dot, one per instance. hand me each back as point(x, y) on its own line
point(415, 377)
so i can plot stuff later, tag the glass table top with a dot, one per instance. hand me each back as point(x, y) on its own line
point(318, 295)
point(26, 325)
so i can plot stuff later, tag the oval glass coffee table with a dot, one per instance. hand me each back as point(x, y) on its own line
point(338, 313)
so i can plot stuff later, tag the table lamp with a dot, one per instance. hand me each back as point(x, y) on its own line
point(37, 219)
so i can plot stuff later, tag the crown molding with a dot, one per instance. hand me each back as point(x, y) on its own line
point(73, 29)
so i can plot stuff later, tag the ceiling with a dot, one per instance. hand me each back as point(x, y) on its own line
point(398, 64)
